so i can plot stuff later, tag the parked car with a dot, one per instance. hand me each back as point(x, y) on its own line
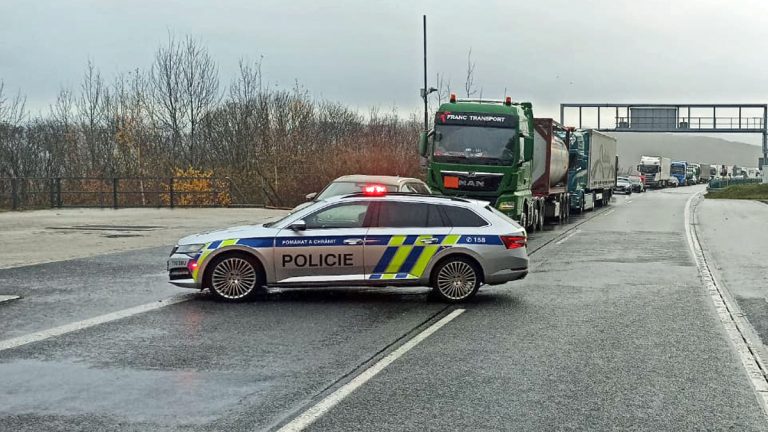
point(623, 186)
point(350, 184)
point(673, 182)
point(637, 184)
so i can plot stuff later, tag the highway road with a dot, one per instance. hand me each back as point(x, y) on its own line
point(611, 330)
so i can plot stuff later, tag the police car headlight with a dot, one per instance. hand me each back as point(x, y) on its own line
point(508, 205)
point(189, 249)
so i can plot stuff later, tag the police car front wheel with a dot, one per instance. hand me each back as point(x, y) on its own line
point(456, 279)
point(234, 277)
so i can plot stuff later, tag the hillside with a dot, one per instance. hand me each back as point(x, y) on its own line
point(684, 147)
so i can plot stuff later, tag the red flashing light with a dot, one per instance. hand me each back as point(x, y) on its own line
point(514, 242)
point(375, 190)
point(508, 100)
point(453, 97)
point(192, 266)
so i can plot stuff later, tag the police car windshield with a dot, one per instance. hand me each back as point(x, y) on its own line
point(348, 187)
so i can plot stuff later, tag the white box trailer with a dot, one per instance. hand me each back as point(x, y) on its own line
point(602, 160)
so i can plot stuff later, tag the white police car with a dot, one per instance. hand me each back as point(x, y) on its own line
point(372, 238)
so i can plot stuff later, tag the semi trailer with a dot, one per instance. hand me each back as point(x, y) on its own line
point(550, 170)
point(708, 172)
point(593, 169)
point(483, 149)
point(656, 170)
point(693, 174)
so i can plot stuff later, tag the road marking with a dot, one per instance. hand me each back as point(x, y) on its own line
point(90, 322)
point(609, 212)
point(315, 412)
point(564, 239)
point(727, 311)
point(628, 201)
point(5, 298)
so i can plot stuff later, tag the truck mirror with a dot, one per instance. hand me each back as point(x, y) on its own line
point(423, 144)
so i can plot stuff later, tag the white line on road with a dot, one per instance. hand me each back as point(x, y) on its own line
point(315, 412)
point(609, 212)
point(5, 298)
point(750, 359)
point(90, 322)
point(564, 239)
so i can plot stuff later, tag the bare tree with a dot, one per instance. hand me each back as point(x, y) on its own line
point(443, 89)
point(91, 110)
point(15, 157)
point(469, 82)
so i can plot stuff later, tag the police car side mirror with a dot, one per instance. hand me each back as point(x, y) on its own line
point(299, 225)
point(311, 196)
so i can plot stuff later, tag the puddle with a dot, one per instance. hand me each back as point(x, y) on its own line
point(69, 388)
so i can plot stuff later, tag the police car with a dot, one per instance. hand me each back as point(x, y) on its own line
point(373, 238)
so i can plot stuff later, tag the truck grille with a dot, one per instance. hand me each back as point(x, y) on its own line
point(472, 181)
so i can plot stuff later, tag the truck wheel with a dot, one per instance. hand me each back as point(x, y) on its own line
point(535, 219)
point(456, 279)
point(541, 218)
point(524, 218)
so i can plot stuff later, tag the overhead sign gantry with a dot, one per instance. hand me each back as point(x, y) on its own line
point(673, 118)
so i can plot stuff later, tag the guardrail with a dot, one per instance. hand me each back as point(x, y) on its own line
point(725, 182)
point(114, 192)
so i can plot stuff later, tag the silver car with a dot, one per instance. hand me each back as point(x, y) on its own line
point(373, 238)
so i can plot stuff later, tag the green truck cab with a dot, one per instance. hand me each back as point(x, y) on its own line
point(482, 150)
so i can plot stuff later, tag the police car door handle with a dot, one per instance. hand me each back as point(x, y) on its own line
point(431, 240)
point(355, 241)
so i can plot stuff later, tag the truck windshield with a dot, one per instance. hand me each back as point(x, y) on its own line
point(677, 169)
point(474, 142)
point(648, 169)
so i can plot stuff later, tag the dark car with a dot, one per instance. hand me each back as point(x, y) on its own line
point(623, 187)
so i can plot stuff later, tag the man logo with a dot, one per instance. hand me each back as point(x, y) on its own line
point(471, 183)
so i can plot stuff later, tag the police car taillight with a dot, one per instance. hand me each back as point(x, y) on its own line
point(514, 242)
point(374, 190)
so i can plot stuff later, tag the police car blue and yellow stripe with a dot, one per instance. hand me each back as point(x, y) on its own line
point(405, 257)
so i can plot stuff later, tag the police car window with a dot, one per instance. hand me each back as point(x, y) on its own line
point(346, 215)
point(463, 217)
point(393, 214)
point(434, 219)
point(418, 188)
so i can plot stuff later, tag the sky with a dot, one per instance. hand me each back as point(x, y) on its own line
point(369, 53)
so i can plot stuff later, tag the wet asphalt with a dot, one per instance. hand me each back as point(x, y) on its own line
point(734, 234)
point(610, 330)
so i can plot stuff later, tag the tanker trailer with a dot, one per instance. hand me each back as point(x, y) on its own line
point(550, 170)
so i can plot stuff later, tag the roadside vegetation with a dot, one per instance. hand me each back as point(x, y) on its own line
point(275, 144)
point(754, 191)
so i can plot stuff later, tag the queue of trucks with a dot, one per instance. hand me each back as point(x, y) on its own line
point(532, 169)
point(659, 172)
point(535, 169)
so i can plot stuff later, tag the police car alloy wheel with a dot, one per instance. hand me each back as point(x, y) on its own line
point(456, 279)
point(234, 277)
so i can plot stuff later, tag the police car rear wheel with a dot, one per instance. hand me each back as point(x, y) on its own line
point(456, 279)
point(234, 277)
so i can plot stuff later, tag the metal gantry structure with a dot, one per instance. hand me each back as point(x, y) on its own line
point(675, 118)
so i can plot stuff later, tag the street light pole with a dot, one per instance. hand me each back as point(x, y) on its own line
point(425, 93)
